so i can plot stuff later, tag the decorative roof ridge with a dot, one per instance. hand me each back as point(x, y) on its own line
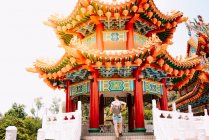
point(39, 63)
point(197, 89)
point(182, 63)
point(168, 17)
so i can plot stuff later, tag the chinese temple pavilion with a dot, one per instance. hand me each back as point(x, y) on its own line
point(117, 47)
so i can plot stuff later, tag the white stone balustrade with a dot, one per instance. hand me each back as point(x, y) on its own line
point(61, 126)
point(11, 133)
point(174, 125)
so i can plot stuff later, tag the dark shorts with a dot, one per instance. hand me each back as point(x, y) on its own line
point(117, 118)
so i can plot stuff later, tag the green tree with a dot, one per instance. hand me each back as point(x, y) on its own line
point(27, 127)
point(39, 104)
point(147, 114)
point(33, 111)
point(22, 133)
point(54, 108)
point(32, 124)
point(17, 110)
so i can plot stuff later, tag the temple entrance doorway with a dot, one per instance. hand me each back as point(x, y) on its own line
point(105, 117)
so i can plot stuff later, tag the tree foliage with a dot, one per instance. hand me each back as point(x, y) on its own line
point(54, 108)
point(39, 104)
point(17, 110)
point(27, 127)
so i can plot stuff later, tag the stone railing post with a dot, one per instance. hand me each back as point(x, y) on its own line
point(41, 134)
point(154, 104)
point(205, 112)
point(174, 106)
point(189, 108)
point(11, 133)
point(79, 105)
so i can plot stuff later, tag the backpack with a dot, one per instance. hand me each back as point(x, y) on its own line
point(116, 108)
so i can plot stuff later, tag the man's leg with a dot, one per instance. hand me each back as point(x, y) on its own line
point(120, 127)
point(116, 129)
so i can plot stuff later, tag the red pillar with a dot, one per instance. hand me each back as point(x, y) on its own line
point(138, 103)
point(130, 113)
point(101, 110)
point(130, 36)
point(99, 37)
point(164, 98)
point(94, 104)
point(69, 102)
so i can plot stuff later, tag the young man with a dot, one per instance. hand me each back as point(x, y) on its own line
point(116, 107)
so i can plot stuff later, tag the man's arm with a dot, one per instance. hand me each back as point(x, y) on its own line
point(123, 105)
point(110, 110)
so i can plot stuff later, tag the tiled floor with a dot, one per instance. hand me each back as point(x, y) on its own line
point(121, 138)
point(126, 136)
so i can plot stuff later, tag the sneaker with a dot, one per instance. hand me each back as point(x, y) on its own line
point(120, 134)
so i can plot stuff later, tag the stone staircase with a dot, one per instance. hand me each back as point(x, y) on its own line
point(126, 136)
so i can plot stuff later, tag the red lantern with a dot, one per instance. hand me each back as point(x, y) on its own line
point(54, 75)
point(63, 70)
point(90, 9)
point(170, 70)
point(118, 65)
point(125, 12)
point(68, 67)
point(150, 59)
point(158, 23)
point(72, 60)
point(154, 20)
point(146, 6)
point(78, 17)
point(108, 14)
point(108, 65)
point(150, 14)
point(175, 72)
point(161, 62)
point(192, 71)
point(128, 64)
point(100, 12)
point(165, 67)
point(83, 10)
point(134, 8)
point(59, 73)
point(138, 61)
point(98, 64)
point(140, 10)
point(174, 24)
point(49, 75)
point(116, 15)
point(168, 25)
point(84, 2)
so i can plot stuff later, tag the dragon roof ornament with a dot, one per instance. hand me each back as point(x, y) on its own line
point(153, 40)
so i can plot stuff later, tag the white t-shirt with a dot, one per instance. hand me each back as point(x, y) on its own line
point(117, 102)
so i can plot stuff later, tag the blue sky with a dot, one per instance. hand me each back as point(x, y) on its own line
point(23, 38)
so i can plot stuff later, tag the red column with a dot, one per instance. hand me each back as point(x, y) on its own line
point(164, 98)
point(94, 104)
point(130, 36)
point(68, 106)
point(130, 113)
point(99, 37)
point(101, 110)
point(138, 103)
